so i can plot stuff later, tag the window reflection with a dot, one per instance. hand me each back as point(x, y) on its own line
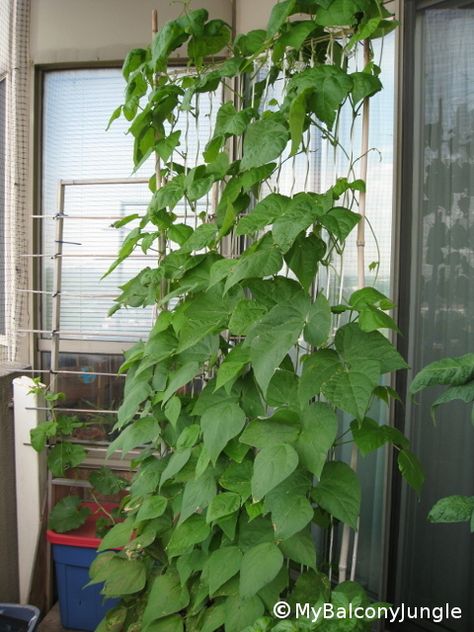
point(96, 393)
point(437, 560)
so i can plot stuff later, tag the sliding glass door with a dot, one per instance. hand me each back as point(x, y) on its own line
point(436, 562)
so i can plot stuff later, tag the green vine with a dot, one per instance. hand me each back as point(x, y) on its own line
point(237, 440)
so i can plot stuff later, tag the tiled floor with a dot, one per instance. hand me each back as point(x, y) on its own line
point(52, 622)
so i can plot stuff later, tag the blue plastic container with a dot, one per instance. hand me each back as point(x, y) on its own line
point(81, 607)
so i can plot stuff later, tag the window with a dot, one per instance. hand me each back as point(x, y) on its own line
point(316, 171)
point(78, 152)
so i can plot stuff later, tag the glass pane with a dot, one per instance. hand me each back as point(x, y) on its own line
point(316, 170)
point(77, 106)
point(378, 237)
point(85, 391)
point(373, 467)
point(438, 560)
point(378, 230)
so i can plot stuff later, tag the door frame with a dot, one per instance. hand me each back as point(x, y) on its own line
point(407, 150)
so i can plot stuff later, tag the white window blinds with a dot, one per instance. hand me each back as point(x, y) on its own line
point(76, 108)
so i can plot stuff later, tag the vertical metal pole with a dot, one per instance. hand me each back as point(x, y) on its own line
point(57, 285)
point(54, 360)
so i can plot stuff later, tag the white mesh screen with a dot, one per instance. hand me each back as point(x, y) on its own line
point(14, 116)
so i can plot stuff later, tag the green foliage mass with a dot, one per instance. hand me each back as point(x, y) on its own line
point(234, 471)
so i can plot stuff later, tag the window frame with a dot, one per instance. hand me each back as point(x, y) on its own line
point(408, 130)
point(40, 344)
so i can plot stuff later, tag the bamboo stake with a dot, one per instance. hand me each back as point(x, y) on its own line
point(363, 175)
point(159, 179)
point(346, 533)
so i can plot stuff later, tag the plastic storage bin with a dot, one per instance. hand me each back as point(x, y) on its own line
point(73, 552)
point(15, 618)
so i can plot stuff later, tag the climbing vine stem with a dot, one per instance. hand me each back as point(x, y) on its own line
point(234, 401)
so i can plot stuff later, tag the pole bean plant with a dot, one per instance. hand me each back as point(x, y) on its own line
point(237, 441)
